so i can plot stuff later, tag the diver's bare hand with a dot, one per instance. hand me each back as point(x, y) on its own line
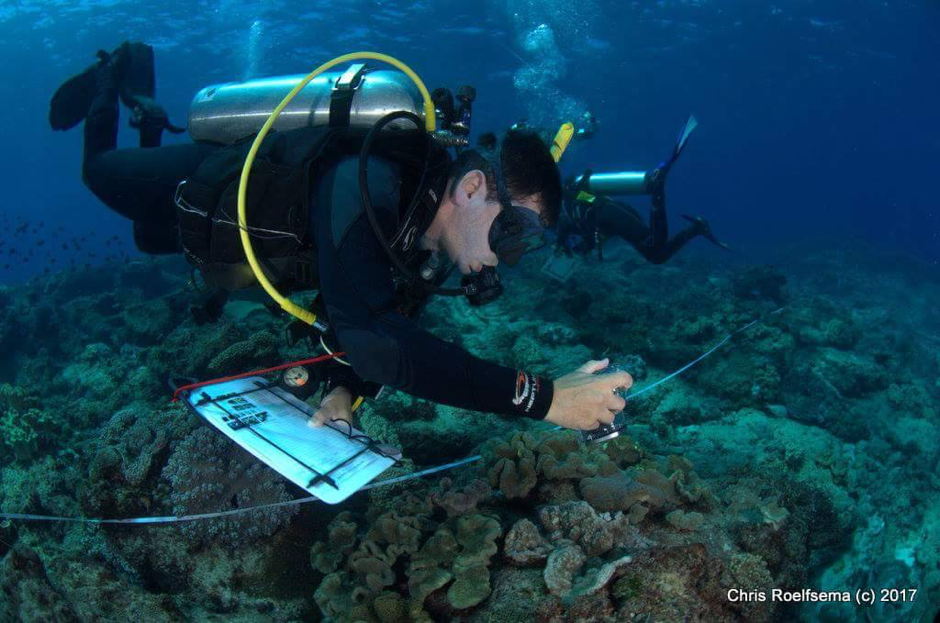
point(337, 405)
point(584, 400)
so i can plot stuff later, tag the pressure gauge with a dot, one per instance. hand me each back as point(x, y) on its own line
point(296, 377)
point(299, 382)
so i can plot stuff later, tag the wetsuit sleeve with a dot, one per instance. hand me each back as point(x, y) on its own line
point(382, 344)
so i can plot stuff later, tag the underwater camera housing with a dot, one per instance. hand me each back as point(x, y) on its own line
point(602, 433)
point(606, 432)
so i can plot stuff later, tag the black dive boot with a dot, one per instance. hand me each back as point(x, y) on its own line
point(138, 89)
point(72, 100)
point(149, 118)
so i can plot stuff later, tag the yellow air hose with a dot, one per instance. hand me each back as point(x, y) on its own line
point(286, 304)
point(304, 315)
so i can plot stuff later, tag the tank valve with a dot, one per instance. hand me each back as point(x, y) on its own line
point(465, 95)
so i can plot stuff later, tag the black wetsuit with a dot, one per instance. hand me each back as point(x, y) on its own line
point(606, 218)
point(372, 323)
point(137, 183)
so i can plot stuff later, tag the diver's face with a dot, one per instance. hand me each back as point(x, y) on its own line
point(466, 238)
point(470, 216)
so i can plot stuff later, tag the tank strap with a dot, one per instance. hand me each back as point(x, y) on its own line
point(341, 108)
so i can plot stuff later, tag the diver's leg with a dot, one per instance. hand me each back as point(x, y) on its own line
point(136, 183)
point(651, 241)
point(139, 183)
point(675, 243)
point(101, 123)
point(659, 222)
point(621, 220)
point(664, 247)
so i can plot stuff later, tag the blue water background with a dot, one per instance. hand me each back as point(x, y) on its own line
point(818, 119)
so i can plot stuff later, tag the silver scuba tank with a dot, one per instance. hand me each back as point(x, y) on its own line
point(226, 113)
point(615, 183)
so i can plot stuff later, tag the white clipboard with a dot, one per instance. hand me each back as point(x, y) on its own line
point(271, 424)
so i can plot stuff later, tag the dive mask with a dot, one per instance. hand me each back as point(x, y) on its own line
point(515, 230)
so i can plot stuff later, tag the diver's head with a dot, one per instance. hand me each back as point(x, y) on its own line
point(497, 202)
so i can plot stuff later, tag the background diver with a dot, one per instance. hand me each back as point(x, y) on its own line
point(591, 215)
point(472, 213)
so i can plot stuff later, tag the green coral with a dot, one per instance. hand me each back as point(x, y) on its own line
point(259, 350)
point(25, 429)
point(628, 587)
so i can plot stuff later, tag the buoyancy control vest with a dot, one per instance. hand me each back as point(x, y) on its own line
point(278, 202)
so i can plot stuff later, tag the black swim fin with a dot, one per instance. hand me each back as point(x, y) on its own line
point(71, 101)
point(139, 77)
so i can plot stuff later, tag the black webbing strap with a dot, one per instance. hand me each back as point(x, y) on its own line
point(341, 107)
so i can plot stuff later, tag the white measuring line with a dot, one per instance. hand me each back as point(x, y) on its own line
point(168, 519)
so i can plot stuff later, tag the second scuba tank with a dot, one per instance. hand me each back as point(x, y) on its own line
point(357, 97)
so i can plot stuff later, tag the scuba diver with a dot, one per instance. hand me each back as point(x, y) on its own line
point(373, 220)
point(591, 215)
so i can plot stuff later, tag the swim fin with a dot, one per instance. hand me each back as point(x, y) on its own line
point(71, 101)
point(656, 179)
point(139, 77)
point(687, 129)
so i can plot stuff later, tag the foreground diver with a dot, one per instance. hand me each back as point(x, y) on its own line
point(309, 222)
point(591, 215)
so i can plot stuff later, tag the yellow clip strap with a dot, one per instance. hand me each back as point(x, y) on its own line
point(586, 197)
point(561, 140)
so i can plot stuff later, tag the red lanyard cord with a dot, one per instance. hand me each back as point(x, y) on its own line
point(283, 366)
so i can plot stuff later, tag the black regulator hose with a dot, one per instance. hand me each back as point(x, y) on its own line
point(370, 210)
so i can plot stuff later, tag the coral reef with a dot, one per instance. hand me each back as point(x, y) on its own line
point(801, 454)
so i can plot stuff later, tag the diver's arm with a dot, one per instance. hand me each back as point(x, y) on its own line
point(388, 348)
point(383, 345)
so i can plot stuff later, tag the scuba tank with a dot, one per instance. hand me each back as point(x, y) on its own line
point(616, 183)
point(229, 112)
point(635, 182)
